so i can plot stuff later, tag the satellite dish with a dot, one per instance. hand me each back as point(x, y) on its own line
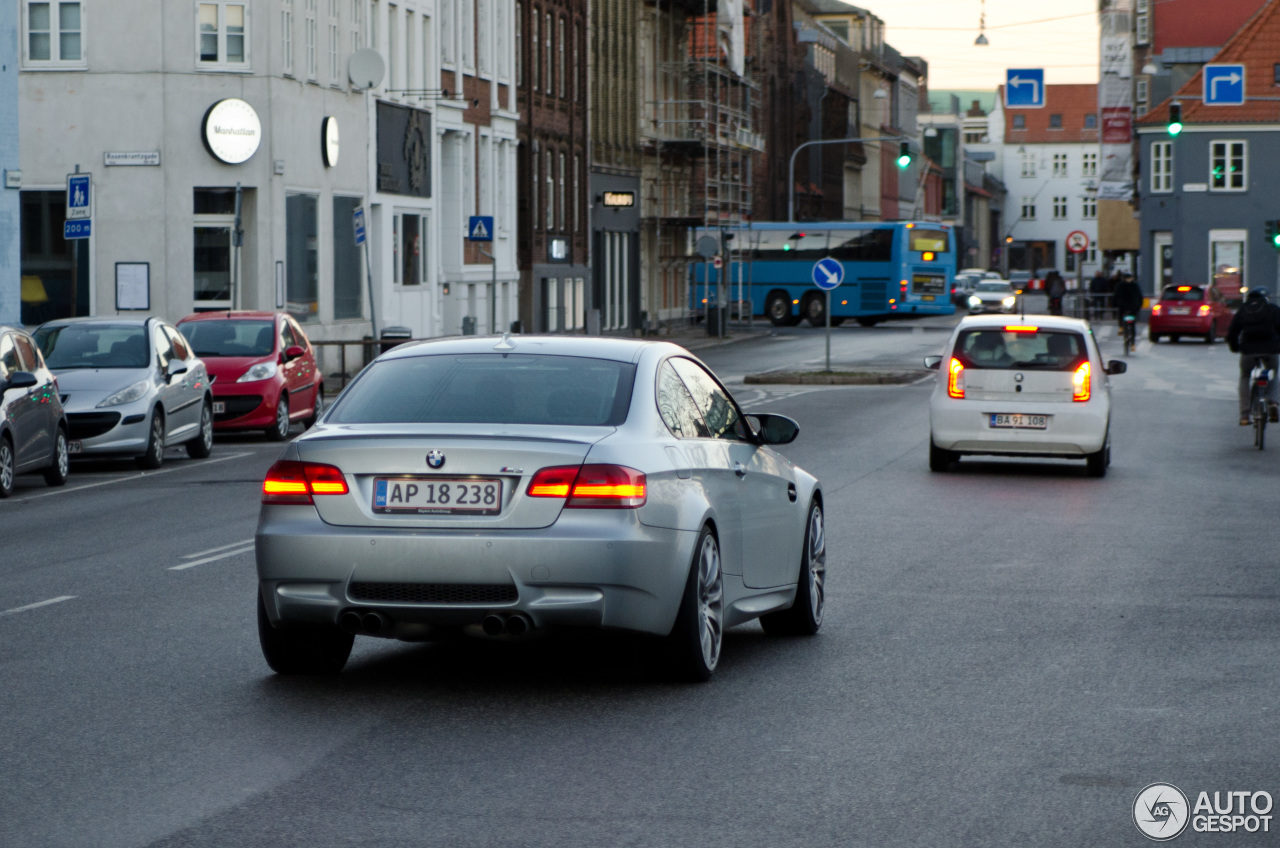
point(366, 68)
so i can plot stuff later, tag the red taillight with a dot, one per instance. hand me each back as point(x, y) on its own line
point(1204, 309)
point(590, 486)
point(955, 379)
point(1080, 382)
point(1155, 310)
point(292, 482)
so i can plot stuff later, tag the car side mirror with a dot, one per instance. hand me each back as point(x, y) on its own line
point(932, 362)
point(1116, 366)
point(774, 429)
point(174, 368)
point(293, 352)
point(21, 380)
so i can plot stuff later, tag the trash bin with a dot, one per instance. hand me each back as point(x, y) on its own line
point(468, 325)
point(392, 336)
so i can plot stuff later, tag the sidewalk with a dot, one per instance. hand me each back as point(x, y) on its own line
point(694, 336)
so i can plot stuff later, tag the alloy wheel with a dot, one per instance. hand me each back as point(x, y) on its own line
point(63, 458)
point(206, 428)
point(817, 565)
point(6, 468)
point(710, 601)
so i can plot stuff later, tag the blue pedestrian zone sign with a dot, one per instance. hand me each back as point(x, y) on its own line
point(1024, 88)
point(1223, 85)
point(78, 196)
point(828, 273)
point(480, 228)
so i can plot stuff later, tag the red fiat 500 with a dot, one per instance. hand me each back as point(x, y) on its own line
point(263, 370)
point(1199, 311)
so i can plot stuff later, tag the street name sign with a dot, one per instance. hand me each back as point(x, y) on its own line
point(1024, 88)
point(828, 273)
point(480, 228)
point(1223, 85)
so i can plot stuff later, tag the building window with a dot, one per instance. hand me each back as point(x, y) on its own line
point(1090, 208)
point(519, 44)
point(534, 217)
point(1028, 164)
point(564, 92)
point(1141, 88)
point(309, 25)
point(55, 34)
point(485, 175)
point(561, 204)
point(576, 165)
point(467, 19)
point(1019, 122)
point(357, 19)
point(1142, 28)
point(1227, 164)
point(412, 266)
point(974, 137)
point(1055, 122)
point(1059, 209)
point(579, 51)
point(1059, 164)
point(551, 187)
point(222, 30)
point(286, 37)
point(546, 65)
point(1275, 73)
point(1091, 121)
point(54, 271)
point(448, 38)
point(334, 76)
point(347, 270)
point(1161, 167)
point(1028, 209)
point(214, 221)
point(534, 55)
point(302, 268)
point(486, 32)
point(1089, 165)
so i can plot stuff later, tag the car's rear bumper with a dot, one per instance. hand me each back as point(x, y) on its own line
point(1179, 324)
point(1074, 429)
point(596, 568)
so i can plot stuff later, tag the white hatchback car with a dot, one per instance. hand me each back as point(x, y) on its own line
point(1031, 386)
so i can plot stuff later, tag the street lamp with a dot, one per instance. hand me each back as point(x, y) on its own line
point(791, 166)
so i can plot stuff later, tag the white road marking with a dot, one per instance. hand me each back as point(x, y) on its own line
point(66, 490)
point(187, 565)
point(56, 600)
point(219, 548)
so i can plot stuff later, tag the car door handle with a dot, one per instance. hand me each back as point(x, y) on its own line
point(739, 469)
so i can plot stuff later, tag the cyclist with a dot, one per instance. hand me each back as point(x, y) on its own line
point(1255, 333)
point(1127, 298)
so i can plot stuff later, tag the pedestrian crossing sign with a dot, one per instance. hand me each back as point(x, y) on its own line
point(480, 228)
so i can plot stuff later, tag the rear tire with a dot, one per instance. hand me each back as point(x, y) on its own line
point(1095, 464)
point(202, 445)
point(317, 407)
point(60, 469)
point(154, 457)
point(8, 467)
point(804, 616)
point(939, 458)
point(1211, 336)
point(778, 309)
point(1153, 336)
point(310, 649)
point(697, 637)
point(1174, 337)
point(279, 430)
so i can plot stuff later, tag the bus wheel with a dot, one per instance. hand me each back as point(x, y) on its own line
point(778, 307)
point(814, 310)
point(868, 322)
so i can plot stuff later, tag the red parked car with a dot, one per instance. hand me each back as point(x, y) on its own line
point(263, 370)
point(1199, 311)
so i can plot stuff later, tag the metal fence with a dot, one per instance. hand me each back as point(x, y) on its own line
point(342, 361)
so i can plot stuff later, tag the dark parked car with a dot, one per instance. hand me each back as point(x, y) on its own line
point(33, 427)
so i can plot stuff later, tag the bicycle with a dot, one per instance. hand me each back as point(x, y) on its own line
point(1130, 333)
point(1259, 378)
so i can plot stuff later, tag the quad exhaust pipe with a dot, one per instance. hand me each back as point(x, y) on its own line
point(515, 624)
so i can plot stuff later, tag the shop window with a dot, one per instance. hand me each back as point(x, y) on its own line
point(222, 36)
point(347, 270)
point(55, 272)
point(302, 272)
point(1227, 166)
point(54, 34)
point(412, 236)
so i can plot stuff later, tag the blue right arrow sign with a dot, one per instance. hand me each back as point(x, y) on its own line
point(1024, 88)
point(1223, 85)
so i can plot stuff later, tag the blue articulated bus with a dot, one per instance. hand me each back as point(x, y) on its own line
point(892, 269)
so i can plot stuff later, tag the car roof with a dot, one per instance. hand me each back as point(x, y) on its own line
point(1046, 322)
point(112, 320)
point(622, 350)
point(238, 314)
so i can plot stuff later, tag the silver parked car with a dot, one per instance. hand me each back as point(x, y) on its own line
point(33, 428)
point(501, 485)
point(130, 386)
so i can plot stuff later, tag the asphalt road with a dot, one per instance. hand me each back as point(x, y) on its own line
point(1011, 652)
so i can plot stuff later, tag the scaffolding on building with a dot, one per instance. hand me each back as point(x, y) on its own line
point(701, 127)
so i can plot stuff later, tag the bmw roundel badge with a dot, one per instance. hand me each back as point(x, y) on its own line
point(435, 459)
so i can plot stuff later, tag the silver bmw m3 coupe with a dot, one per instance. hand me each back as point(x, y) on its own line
point(497, 486)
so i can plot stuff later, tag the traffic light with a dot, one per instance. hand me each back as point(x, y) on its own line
point(1175, 118)
point(904, 155)
point(1273, 234)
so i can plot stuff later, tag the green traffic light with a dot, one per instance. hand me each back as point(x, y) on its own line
point(1175, 128)
point(904, 160)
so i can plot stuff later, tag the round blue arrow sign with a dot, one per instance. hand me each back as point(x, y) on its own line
point(828, 273)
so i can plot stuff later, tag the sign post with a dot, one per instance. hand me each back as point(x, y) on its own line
point(828, 274)
point(357, 222)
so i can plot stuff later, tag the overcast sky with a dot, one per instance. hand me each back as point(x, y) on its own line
point(1059, 36)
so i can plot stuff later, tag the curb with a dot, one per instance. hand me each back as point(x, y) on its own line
point(838, 378)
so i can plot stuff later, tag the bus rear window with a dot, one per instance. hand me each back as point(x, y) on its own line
point(934, 240)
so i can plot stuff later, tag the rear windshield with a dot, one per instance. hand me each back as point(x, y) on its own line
point(94, 346)
point(1049, 350)
point(1188, 293)
point(489, 388)
point(230, 338)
